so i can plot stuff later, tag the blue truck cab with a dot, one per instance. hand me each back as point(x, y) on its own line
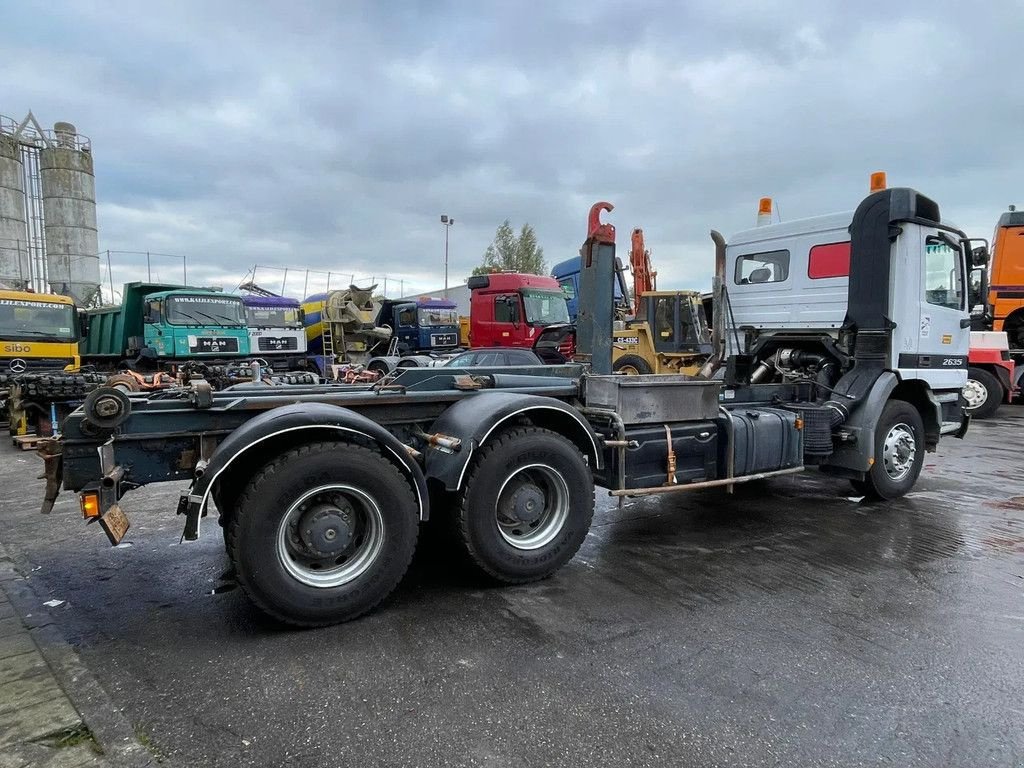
point(567, 273)
point(425, 325)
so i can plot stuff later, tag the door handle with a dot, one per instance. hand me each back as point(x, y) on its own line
point(965, 322)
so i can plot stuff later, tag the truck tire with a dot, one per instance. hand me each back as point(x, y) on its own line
point(323, 533)
point(632, 365)
point(983, 393)
point(899, 453)
point(526, 505)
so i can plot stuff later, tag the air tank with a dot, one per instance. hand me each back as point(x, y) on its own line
point(69, 210)
point(15, 266)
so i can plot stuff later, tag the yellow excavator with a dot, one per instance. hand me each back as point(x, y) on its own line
point(668, 332)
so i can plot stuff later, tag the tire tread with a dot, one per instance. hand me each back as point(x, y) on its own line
point(461, 518)
point(252, 489)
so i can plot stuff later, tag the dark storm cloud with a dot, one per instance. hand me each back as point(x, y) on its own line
point(332, 136)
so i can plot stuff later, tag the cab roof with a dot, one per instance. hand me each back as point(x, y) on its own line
point(824, 223)
point(193, 292)
point(50, 298)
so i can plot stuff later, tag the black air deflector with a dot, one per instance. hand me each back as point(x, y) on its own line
point(872, 233)
point(874, 228)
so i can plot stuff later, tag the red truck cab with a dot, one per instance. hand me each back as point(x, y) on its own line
point(509, 309)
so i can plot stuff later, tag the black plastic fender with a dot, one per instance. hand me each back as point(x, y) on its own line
point(476, 418)
point(306, 416)
point(861, 425)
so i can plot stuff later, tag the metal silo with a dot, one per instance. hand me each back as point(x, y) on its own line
point(69, 210)
point(15, 266)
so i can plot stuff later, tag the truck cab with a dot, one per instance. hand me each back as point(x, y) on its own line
point(1006, 278)
point(276, 330)
point(38, 332)
point(796, 306)
point(509, 309)
point(194, 324)
point(167, 323)
point(425, 325)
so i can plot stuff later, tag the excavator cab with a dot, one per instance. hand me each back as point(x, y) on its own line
point(676, 320)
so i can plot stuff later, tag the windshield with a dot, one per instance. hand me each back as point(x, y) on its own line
point(272, 317)
point(433, 316)
point(36, 320)
point(545, 307)
point(204, 310)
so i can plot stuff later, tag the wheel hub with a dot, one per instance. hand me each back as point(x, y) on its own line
point(899, 451)
point(327, 529)
point(525, 505)
point(975, 394)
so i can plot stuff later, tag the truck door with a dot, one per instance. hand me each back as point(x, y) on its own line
point(937, 353)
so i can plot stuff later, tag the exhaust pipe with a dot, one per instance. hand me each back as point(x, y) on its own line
point(717, 309)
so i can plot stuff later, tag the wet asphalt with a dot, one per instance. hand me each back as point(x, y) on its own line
point(788, 624)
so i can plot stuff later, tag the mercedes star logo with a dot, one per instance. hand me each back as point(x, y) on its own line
point(17, 365)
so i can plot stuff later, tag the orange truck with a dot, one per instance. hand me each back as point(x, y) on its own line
point(996, 371)
point(1006, 278)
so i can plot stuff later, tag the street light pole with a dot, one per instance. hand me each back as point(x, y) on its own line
point(447, 221)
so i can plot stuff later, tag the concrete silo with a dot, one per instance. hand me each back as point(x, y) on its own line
point(69, 210)
point(15, 265)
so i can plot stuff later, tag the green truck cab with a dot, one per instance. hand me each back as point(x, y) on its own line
point(167, 324)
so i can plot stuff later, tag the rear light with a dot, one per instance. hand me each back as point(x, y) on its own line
point(90, 503)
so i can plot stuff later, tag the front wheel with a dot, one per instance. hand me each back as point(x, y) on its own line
point(982, 393)
point(899, 452)
point(526, 506)
point(323, 533)
point(632, 365)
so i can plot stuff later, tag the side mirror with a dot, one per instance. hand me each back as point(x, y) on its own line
point(302, 316)
point(980, 256)
point(83, 323)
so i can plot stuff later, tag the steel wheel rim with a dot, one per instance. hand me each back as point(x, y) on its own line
point(899, 451)
point(331, 569)
point(521, 492)
point(974, 394)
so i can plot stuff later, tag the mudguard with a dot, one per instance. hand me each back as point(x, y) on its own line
point(306, 416)
point(857, 456)
point(476, 418)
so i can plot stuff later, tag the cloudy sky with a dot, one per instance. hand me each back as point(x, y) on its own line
point(333, 135)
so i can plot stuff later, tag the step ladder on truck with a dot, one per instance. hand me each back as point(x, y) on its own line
point(320, 492)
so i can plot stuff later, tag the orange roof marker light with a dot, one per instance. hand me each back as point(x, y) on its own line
point(764, 211)
point(878, 182)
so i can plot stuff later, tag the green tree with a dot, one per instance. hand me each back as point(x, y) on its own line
point(509, 252)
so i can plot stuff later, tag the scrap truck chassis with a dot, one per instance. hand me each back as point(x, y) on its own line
point(320, 490)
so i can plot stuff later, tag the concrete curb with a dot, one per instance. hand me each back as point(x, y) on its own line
point(109, 727)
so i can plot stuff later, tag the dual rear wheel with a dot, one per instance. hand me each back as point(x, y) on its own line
point(326, 531)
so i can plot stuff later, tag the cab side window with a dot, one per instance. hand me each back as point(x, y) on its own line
point(506, 309)
point(943, 281)
point(407, 317)
point(767, 267)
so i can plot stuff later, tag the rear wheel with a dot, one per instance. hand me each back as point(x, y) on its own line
point(526, 506)
point(982, 393)
point(899, 452)
point(632, 365)
point(323, 533)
